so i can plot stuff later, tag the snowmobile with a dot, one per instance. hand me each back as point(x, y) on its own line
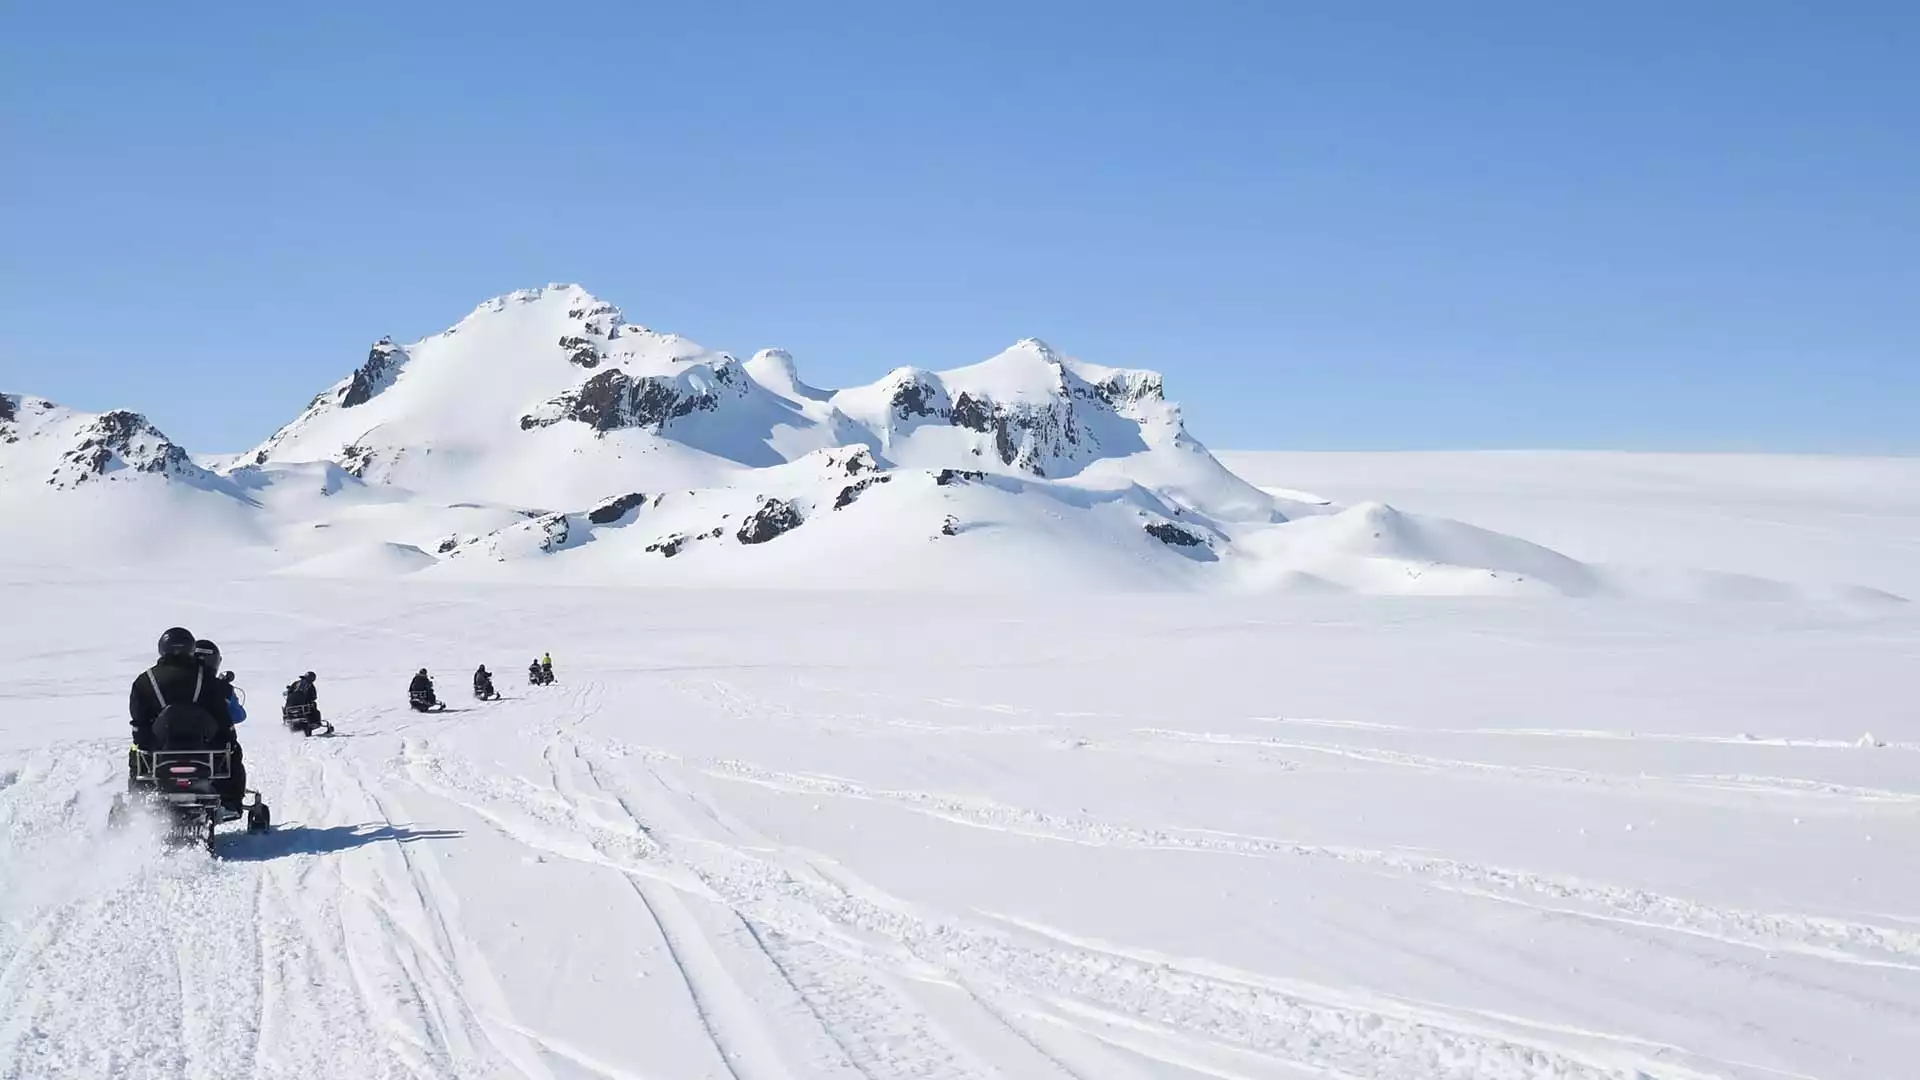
point(539, 675)
point(304, 719)
point(483, 688)
point(182, 786)
point(424, 701)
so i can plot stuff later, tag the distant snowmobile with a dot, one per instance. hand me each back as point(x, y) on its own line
point(483, 685)
point(539, 674)
point(420, 696)
point(301, 711)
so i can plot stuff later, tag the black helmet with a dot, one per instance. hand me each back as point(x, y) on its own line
point(422, 671)
point(208, 653)
point(308, 676)
point(176, 642)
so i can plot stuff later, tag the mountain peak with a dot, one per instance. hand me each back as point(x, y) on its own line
point(66, 448)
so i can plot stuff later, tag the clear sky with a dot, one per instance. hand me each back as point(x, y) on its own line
point(1684, 224)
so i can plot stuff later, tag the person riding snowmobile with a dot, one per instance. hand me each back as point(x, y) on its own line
point(302, 695)
point(177, 681)
point(483, 684)
point(301, 691)
point(546, 667)
point(533, 673)
point(420, 690)
point(235, 786)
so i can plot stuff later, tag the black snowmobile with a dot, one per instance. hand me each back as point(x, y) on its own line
point(483, 685)
point(539, 674)
point(301, 710)
point(180, 781)
point(420, 696)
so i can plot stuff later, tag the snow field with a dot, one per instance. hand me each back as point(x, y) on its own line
point(878, 835)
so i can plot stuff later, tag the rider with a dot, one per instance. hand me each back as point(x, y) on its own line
point(235, 786)
point(533, 673)
point(546, 667)
point(302, 692)
point(422, 684)
point(482, 682)
point(180, 677)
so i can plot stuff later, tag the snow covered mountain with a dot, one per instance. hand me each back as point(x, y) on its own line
point(65, 448)
point(544, 437)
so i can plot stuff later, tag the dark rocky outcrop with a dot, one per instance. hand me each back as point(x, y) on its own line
point(126, 437)
point(383, 362)
point(446, 546)
point(950, 527)
point(946, 477)
point(7, 409)
point(614, 400)
point(912, 399)
point(581, 351)
point(970, 412)
point(1173, 535)
point(559, 529)
point(355, 460)
point(775, 518)
point(616, 508)
point(852, 491)
point(856, 460)
point(671, 545)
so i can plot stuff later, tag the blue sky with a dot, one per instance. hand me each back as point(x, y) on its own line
point(1664, 225)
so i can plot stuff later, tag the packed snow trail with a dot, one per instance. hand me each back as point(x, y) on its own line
point(891, 847)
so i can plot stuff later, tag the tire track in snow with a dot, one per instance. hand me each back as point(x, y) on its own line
point(1310, 1027)
point(1785, 787)
point(873, 1028)
point(1837, 940)
point(725, 1010)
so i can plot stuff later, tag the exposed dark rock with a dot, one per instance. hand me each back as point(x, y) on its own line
point(447, 545)
point(559, 530)
point(858, 460)
point(1168, 533)
point(912, 399)
point(375, 375)
point(669, 546)
point(946, 477)
point(852, 491)
point(614, 400)
point(950, 527)
point(127, 436)
point(969, 412)
point(776, 517)
point(355, 460)
point(715, 534)
point(7, 411)
point(1003, 440)
point(616, 508)
point(581, 351)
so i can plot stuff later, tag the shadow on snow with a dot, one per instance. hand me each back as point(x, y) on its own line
point(307, 840)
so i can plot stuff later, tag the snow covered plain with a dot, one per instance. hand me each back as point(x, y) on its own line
point(892, 834)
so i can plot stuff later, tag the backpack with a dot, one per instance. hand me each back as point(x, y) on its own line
point(186, 725)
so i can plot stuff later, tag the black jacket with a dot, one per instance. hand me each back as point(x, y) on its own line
point(302, 692)
point(176, 679)
point(420, 684)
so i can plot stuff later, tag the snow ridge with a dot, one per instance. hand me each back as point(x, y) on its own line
point(517, 442)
